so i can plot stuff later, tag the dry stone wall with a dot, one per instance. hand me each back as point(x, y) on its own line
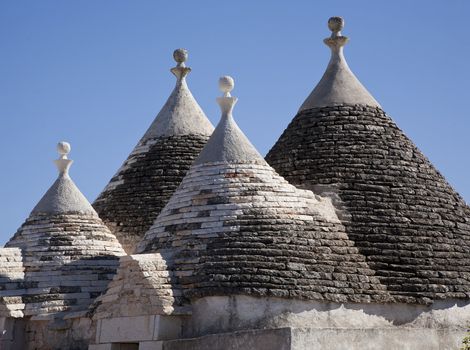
point(140, 189)
point(142, 286)
point(68, 261)
point(396, 207)
point(242, 229)
point(70, 334)
point(11, 281)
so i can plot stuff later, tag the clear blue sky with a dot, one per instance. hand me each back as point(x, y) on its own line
point(95, 73)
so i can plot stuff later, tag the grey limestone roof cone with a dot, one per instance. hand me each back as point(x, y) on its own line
point(141, 187)
point(234, 226)
point(61, 242)
point(398, 209)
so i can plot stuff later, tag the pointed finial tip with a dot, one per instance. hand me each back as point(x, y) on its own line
point(336, 24)
point(63, 148)
point(180, 55)
point(226, 84)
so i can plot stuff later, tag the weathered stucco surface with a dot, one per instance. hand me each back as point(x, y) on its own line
point(338, 85)
point(324, 339)
point(230, 313)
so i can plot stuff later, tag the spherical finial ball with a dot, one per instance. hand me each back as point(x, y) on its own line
point(336, 24)
point(63, 148)
point(226, 83)
point(180, 55)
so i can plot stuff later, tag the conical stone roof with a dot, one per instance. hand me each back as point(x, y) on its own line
point(234, 226)
point(338, 85)
point(68, 255)
point(398, 209)
point(141, 187)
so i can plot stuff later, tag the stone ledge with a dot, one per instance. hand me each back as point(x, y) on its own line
point(325, 339)
point(138, 329)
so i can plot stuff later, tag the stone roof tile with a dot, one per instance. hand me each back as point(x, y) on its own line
point(399, 211)
point(234, 226)
point(141, 187)
point(66, 256)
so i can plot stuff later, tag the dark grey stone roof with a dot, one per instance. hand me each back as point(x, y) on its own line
point(144, 184)
point(237, 227)
point(242, 229)
point(141, 187)
point(396, 207)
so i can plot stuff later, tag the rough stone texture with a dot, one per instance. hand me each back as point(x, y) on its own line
point(11, 279)
point(68, 260)
point(63, 197)
point(70, 334)
point(142, 286)
point(242, 229)
point(142, 186)
point(396, 207)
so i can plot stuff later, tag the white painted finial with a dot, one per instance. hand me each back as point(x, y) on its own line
point(338, 85)
point(226, 102)
point(226, 85)
point(64, 149)
point(180, 71)
point(63, 163)
point(336, 41)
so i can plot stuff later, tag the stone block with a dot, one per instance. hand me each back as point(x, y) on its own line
point(126, 329)
point(167, 327)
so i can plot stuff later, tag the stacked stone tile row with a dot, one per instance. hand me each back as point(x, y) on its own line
point(11, 281)
point(68, 261)
point(242, 229)
point(140, 189)
point(143, 285)
point(396, 207)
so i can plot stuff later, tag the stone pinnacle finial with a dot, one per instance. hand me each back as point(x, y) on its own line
point(63, 148)
point(338, 85)
point(336, 25)
point(180, 56)
point(336, 41)
point(226, 102)
point(180, 71)
point(226, 84)
point(63, 163)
